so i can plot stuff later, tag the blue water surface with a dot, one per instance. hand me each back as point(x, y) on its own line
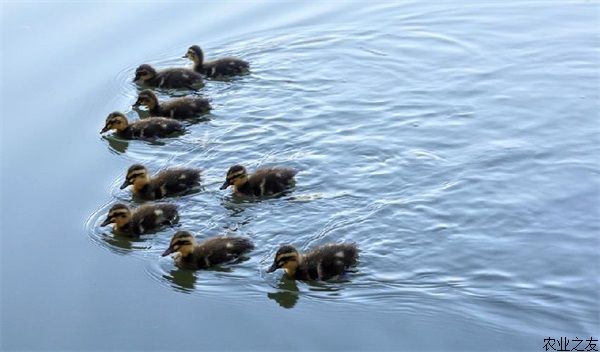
point(456, 143)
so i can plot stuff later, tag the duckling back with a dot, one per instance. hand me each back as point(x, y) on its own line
point(171, 182)
point(149, 217)
point(219, 250)
point(227, 66)
point(153, 127)
point(328, 261)
point(171, 78)
point(178, 78)
point(269, 181)
point(182, 108)
point(215, 251)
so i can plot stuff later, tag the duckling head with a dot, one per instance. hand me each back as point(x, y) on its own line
point(195, 54)
point(115, 121)
point(146, 98)
point(182, 242)
point(288, 258)
point(137, 175)
point(236, 176)
point(119, 214)
point(144, 72)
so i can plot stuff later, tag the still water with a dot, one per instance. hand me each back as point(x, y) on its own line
point(456, 144)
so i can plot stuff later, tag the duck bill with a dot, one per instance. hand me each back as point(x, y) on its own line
point(125, 184)
point(185, 56)
point(105, 129)
point(167, 252)
point(136, 104)
point(272, 268)
point(105, 222)
point(136, 78)
point(224, 185)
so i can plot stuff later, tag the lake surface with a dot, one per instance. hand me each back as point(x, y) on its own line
point(456, 144)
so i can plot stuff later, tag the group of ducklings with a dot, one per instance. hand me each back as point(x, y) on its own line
point(322, 263)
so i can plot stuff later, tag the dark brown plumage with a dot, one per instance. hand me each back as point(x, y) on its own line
point(210, 252)
point(143, 219)
point(153, 127)
point(180, 108)
point(226, 66)
point(322, 263)
point(165, 183)
point(263, 182)
point(171, 78)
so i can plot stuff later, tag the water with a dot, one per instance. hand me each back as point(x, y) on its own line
point(457, 145)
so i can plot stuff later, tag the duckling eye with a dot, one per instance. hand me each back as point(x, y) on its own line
point(282, 262)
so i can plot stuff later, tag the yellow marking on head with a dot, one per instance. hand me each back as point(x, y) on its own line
point(140, 181)
point(290, 260)
point(239, 181)
point(290, 267)
point(286, 255)
point(147, 101)
point(120, 217)
point(136, 173)
point(185, 249)
point(234, 175)
point(183, 243)
point(118, 123)
point(192, 56)
point(145, 75)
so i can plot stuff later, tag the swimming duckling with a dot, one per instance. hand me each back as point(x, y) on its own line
point(168, 78)
point(210, 252)
point(153, 127)
point(322, 263)
point(180, 108)
point(147, 217)
point(165, 183)
point(263, 182)
point(227, 66)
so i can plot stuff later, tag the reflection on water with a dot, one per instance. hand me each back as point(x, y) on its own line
point(116, 144)
point(287, 294)
point(124, 244)
point(182, 279)
point(186, 280)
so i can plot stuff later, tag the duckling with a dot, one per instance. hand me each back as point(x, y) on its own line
point(153, 127)
point(176, 78)
point(210, 252)
point(147, 217)
point(322, 263)
point(165, 183)
point(180, 108)
point(263, 182)
point(227, 66)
